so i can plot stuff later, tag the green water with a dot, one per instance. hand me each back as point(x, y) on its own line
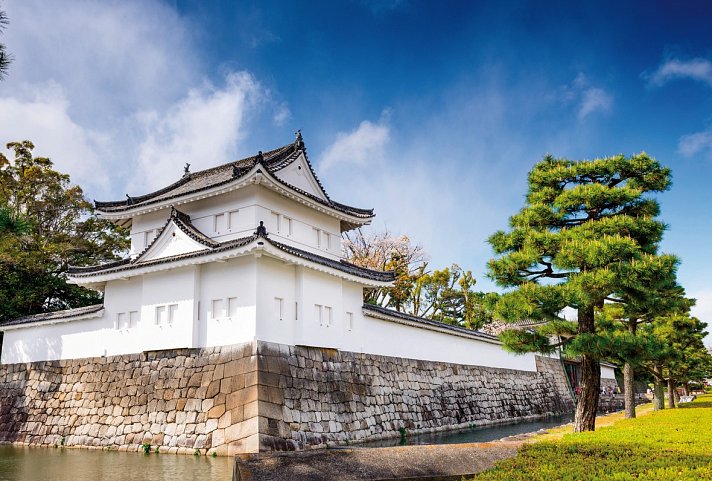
point(19, 463)
point(481, 434)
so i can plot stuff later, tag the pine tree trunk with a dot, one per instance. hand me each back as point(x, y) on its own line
point(629, 387)
point(587, 405)
point(629, 379)
point(658, 390)
point(671, 393)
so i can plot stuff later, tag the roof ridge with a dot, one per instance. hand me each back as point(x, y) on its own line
point(252, 160)
point(425, 320)
point(40, 316)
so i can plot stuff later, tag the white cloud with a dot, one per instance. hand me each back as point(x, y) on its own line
point(692, 144)
point(587, 98)
point(202, 129)
point(281, 115)
point(362, 145)
point(43, 118)
point(106, 55)
point(594, 100)
point(114, 93)
point(699, 69)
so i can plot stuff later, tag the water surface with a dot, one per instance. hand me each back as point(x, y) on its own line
point(473, 435)
point(22, 463)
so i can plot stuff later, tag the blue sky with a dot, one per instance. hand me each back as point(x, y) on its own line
point(430, 112)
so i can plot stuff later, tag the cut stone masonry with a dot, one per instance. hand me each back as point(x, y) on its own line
point(258, 397)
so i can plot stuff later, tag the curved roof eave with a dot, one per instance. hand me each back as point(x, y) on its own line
point(231, 249)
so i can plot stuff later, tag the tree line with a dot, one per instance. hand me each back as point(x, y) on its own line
point(586, 241)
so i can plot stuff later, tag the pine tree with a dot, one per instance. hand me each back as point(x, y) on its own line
point(583, 225)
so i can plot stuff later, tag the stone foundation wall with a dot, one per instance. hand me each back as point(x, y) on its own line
point(554, 366)
point(179, 400)
point(329, 396)
point(258, 397)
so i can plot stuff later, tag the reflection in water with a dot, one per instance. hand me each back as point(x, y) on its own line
point(472, 435)
point(21, 463)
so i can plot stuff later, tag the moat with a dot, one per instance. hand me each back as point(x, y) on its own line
point(21, 463)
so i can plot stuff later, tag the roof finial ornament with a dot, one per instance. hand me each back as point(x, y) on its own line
point(299, 140)
point(261, 230)
point(129, 200)
point(260, 157)
point(235, 171)
point(186, 169)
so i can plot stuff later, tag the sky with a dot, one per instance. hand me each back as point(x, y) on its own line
point(432, 113)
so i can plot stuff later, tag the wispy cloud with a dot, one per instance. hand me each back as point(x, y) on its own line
point(587, 98)
point(119, 110)
point(282, 114)
point(361, 146)
point(699, 69)
point(42, 116)
point(201, 129)
point(693, 144)
point(594, 100)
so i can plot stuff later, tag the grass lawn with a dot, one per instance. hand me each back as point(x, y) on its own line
point(669, 445)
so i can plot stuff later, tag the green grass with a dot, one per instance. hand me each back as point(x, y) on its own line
point(669, 445)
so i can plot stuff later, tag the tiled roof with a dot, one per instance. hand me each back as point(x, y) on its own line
point(127, 264)
point(52, 316)
point(497, 327)
point(427, 322)
point(193, 182)
point(383, 276)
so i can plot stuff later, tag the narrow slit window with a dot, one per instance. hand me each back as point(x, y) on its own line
point(279, 308)
point(133, 319)
point(172, 313)
point(296, 310)
point(218, 306)
point(328, 317)
point(219, 223)
point(287, 221)
point(318, 311)
point(274, 222)
point(349, 321)
point(317, 233)
point(120, 320)
point(232, 307)
point(160, 315)
point(232, 220)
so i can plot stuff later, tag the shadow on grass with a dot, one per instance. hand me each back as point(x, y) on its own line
point(696, 404)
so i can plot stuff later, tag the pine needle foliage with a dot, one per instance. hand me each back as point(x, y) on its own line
point(584, 227)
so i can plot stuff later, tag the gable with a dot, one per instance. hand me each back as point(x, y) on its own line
point(299, 174)
point(171, 242)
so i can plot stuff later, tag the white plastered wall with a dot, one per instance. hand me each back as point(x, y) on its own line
point(227, 287)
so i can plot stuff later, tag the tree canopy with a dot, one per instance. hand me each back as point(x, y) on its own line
point(445, 295)
point(47, 225)
point(585, 226)
point(5, 57)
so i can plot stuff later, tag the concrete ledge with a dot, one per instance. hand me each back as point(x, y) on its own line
point(425, 463)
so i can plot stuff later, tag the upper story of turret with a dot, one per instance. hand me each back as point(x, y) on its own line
point(227, 202)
